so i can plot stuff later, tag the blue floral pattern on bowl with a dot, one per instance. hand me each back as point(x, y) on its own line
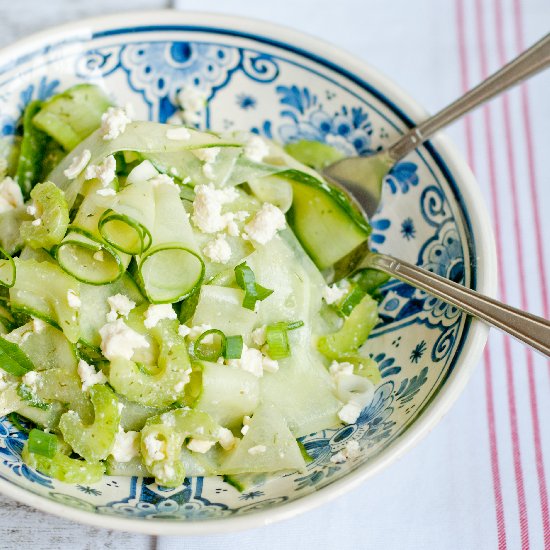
point(265, 89)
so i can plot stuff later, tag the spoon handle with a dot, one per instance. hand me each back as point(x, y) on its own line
point(530, 329)
point(533, 60)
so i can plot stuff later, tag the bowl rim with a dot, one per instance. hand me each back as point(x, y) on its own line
point(471, 198)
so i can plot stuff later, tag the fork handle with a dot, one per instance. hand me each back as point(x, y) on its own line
point(530, 329)
point(530, 62)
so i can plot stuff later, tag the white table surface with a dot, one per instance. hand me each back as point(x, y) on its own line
point(480, 479)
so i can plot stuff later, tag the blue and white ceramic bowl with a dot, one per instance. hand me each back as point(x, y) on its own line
point(286, 86)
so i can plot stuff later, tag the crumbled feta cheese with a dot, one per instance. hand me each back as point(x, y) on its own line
point(207, 208)
point(208, 171)
point(349, 413)
point(258, 449)
point(36, 222)
point(119, 340)
point(108, 192)
point(350, 451)
point(226, 439)
point(200, 445)
point(208, 154)
point(98, 256)
point(154, 448)
point(73, 299)
point(265, 224)
point(246, 424)
point(88, 375)
point(178, 134)
point(126, 446)
point(156, 313)
point(38, 325)
point(270, 365)
point(114, 121)
point(333, 294)
point(184, 330)
point(78, 163)
point(174, 171)
point(259, 336)
point(10, 195)
point(218, 250)
point(186, 180)
point(179, 387)
point(163, 179)
point(32, 210)
point(343, 368)
point(105, 172)
point(256, 149)
point(30, 379)
point(192, 101)
point(120, 306)
point(197, 330)
point(250, 361)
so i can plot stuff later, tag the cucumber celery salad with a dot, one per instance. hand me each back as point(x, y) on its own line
point(163, 307)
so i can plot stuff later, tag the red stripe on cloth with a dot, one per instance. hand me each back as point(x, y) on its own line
point(512, 173)
point(493, 185)
point(493, 446)
point(518, 26)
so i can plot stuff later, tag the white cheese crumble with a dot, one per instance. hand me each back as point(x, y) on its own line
point(156, 313)
point(258, 336)
point(120, 306)
point(349, 413)
point(105, 172)
point(338, 369)
point(265, 224)
point(114, 121)
point(246, 424)
point(108, 192)
point(10, 195)
point(200, 445)
point(333, 294)
point(36, 222)
point(38, 325)
point(256, 149)
point(155, 448)
point(78, 163)
point(126, 446)
point(32, 210)
point(208, 171)
point(163, 179)
point(73, 299)
point(30, 379)
point(207, 208)
point(98, 256)
point(351, 450)
point(208, 154)
point(270, 365)
point(258, 449)
point(254, 361)
point(88, 375)
point(178, 134)
point(184, 330)
point(192, 101)
point(218, 250)
point(197, 330)
point(226, 439)
point(118, 340)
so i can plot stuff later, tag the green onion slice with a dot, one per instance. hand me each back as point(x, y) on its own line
point(277, 341)
point(124, 232)
point(351, 300)
point(253, 292)
point(233, 347)
point(13, 360)
point(42, 443)
point(210, 351)
point(7, 269)
point(294, 325)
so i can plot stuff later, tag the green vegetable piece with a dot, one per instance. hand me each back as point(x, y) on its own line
point(161, 388)
point(13, 360)
point(371, 279)
point(315, 154)
point(354, 332)
point(277, 341)
point(364, 366)
point(95, 441)
point(42, 443)
point(233, 347)
point(326, 223)
point(73, 115)
point(124, 233)
point(53, 212)
point(7, 270)
point(33, 148)
point(69, 470)
point(10, 235)
point(352, 299)
point(253, 292)
point(162, 439)
point(210, 351)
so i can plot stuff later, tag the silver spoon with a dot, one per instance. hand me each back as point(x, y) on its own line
point(362, 178)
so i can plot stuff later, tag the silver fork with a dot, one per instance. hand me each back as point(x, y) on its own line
point(361, 178)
